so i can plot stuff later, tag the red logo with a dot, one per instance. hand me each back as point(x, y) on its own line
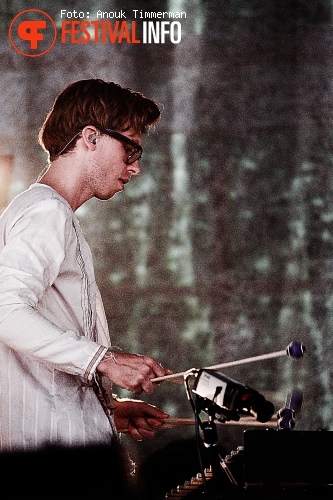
point(32, 33)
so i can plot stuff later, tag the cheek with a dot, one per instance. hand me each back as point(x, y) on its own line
point(111, 170)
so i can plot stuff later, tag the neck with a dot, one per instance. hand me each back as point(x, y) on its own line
point(65, 179)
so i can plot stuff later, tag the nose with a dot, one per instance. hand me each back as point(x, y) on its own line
point(134, 168)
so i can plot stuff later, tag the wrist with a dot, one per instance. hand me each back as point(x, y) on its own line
point(103, 365)
point(109, 354)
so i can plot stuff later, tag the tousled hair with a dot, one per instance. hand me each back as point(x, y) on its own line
point(94, 102)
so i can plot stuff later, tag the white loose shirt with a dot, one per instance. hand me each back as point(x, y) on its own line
point(53, 331)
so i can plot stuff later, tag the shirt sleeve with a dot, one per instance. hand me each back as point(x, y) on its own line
point(32, 253)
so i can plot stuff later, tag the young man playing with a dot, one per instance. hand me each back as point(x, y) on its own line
point(57, 365)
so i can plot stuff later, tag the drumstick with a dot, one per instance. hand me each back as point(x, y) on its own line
point(294, 350)
point(171, 423)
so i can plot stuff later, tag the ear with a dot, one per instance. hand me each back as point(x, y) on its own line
point(89, 136)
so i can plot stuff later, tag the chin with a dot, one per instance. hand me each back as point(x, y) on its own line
point(109, 195)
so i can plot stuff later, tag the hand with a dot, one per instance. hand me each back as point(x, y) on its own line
point(137, 418)
point(132, 371)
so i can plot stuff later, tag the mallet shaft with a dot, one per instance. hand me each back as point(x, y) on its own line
point(262, 357)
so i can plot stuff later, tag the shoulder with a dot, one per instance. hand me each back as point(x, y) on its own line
point(38, 204)
point(38, 196)
point(39, 193)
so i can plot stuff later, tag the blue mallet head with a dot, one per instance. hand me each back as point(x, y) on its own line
point(295, 350)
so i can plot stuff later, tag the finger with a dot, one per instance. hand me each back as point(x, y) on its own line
point(155, 423)
point(141, 382)
point(160, 382)
point(139, 432)
point(141, 423)
point(155, 367)
point(147, 386)
point(147, 434)
point(151, 411)
point(160, 371)
point(145, 364)
point(138, 389)
point(134, 433)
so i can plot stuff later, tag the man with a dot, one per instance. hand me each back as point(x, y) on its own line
point(57, 365)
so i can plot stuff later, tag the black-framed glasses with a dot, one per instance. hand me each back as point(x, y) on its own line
point(136, 154)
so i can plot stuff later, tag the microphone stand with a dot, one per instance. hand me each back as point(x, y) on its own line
point(218, 464)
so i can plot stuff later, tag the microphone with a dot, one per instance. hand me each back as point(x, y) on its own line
point(223, 394)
